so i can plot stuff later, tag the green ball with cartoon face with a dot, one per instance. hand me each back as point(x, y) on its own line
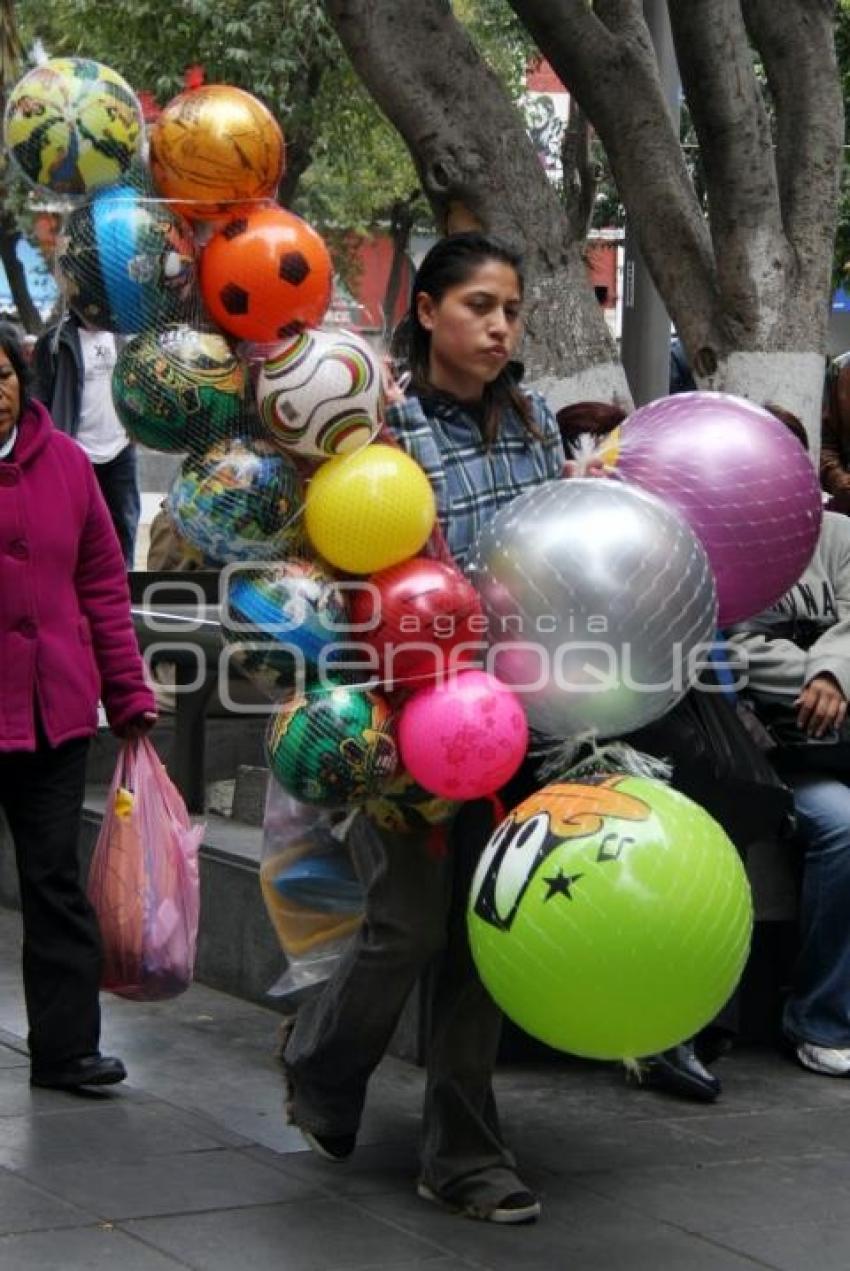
point(611, 919)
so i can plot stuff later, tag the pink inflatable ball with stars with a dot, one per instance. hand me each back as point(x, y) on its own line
point(464, 737)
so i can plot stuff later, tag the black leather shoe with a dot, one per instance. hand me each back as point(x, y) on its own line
point(89, 1070)
point(333, 1147)
point(679, 1071)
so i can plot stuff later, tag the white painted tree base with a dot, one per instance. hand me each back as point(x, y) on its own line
point(791, 380)
point(604, 382)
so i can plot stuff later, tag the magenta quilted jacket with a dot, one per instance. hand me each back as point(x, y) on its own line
point(66, 635)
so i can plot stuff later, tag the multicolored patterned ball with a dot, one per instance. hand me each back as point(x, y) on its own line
point(178, 389)
point(126, 263)
point(239, 500)
point(295, 609)
point(319, 395)
point(405, 807)
point(73, 126)
point(214, 147)
point(333, 747)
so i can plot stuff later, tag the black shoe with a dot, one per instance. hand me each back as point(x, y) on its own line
point(518, 1207)
point(679, 1071)
point(333, 1147)
point(89, 1070)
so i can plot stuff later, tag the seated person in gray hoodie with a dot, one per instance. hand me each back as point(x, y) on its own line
point(797, 658)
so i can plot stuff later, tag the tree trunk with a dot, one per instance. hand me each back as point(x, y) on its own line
point(401, 226)
point(747, 291)
point(299, 140)
point(478, 168)
point(28, 314)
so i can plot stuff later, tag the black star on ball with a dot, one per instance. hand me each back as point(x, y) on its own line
point(560, 885)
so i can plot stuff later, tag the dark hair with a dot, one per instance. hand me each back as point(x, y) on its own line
point(10, 343)
point(791, 422)
point(598, 418)
point(450, 263)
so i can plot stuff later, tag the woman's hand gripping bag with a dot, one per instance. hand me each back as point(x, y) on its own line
point(143, 881)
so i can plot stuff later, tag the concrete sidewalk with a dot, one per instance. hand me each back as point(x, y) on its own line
point(189, 1164)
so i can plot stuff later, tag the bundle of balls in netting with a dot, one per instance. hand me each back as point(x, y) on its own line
point(366, 644)
point(175, 243)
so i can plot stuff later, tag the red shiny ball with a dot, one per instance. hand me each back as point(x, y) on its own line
point(422, 613)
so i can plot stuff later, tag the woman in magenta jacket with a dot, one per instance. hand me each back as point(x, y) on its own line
point(66, 642)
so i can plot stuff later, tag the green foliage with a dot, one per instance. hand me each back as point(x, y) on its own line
point(285, 52)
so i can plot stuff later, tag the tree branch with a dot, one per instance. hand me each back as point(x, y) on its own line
point(605, 58)
point(795, 39)
point(477, 164)
point(580, 175)
point(729, 115)
point(301, 138)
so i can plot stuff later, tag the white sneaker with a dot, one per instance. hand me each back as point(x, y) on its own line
point(826, 1060)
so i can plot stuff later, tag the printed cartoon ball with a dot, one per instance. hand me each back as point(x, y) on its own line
point(73, 126)
point(405, 807)
point(369, 510)
point(610, 919)
point(239, 500)
point(126, 263)
point(291, 616)
point(266, 275)
point(319, 395)
point(178, 389)
point(214, 147)
point(333, 747)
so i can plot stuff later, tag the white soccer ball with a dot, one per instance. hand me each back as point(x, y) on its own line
point(319, 395)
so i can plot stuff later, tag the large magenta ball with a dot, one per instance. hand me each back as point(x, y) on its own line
point(463, 738)
point(742, 481)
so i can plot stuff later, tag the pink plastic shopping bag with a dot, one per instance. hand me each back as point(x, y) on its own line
point(144, 881)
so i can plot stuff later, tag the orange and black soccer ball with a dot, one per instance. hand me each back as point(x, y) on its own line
point(266, 275)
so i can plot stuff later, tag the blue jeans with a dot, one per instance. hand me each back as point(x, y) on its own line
point(818, 1009)
point(119, 484)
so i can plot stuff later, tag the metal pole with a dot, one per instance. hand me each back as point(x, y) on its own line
point(645, 349)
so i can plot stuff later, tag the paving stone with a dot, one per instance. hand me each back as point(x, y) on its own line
point(807, 1245)
point(712, 1198)
point(317, 1235)
point(27, 1207)
point(84, 1136)
point(86, 1249)
point(183, 1183)
point(584, 1232)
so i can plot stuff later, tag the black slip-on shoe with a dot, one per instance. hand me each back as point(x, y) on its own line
point(678, 1071)
point(88, 1070)
point(333, 1147)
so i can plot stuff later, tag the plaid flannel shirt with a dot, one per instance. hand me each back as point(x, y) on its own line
point(471, 481)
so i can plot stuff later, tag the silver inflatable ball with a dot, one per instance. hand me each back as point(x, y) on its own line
point(601, 605)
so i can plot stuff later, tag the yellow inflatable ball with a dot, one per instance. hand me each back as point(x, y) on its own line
point(369, 510)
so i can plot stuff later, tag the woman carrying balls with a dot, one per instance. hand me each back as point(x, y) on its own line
point(482, 441)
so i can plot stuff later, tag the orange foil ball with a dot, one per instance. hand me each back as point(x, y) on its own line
point(215, 148)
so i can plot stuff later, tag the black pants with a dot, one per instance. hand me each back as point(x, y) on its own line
point(119, 484)
point(42, 795)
